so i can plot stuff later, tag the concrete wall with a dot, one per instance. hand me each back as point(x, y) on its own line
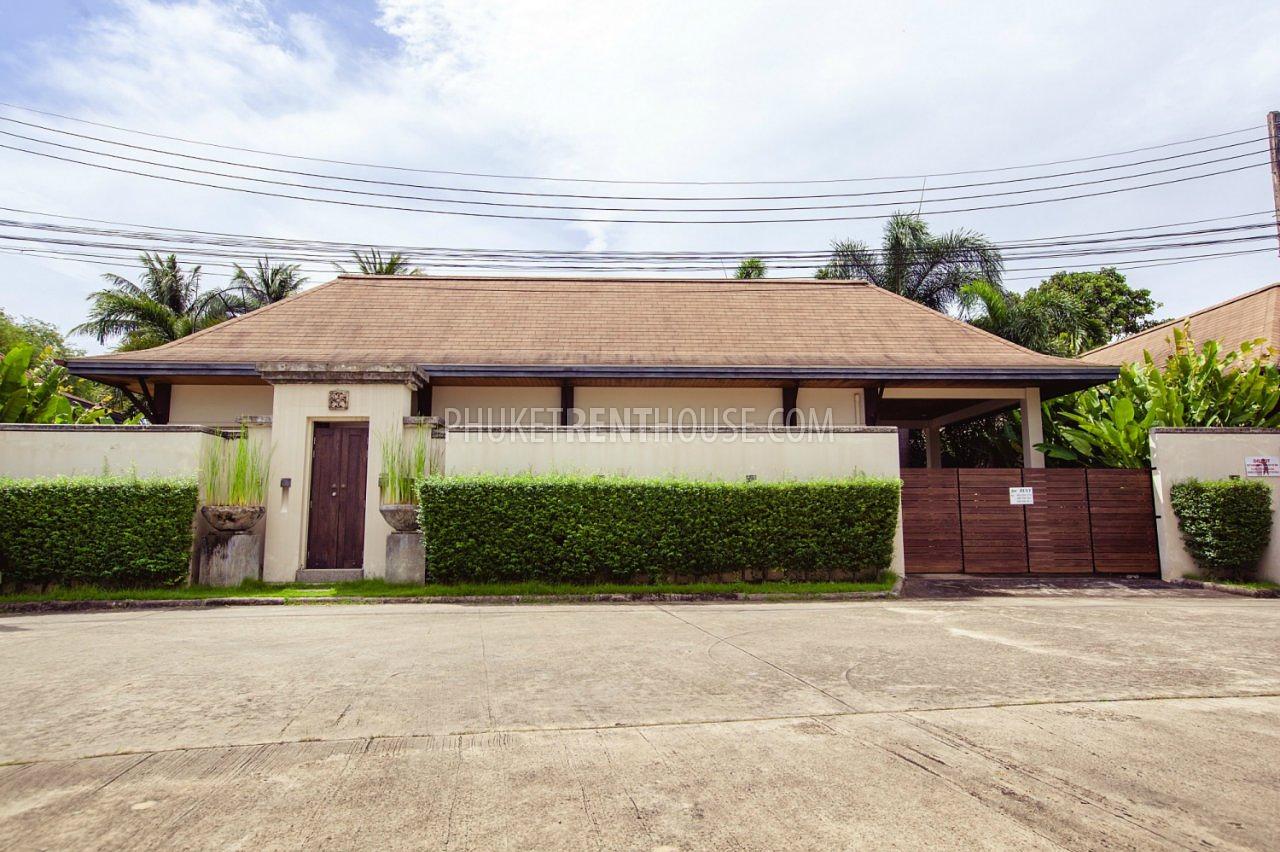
point(297, 408)
point(1178, 454)
point(218, 405)
point(147, 451)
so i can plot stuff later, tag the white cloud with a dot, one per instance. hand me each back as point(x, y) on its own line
point(662, 90)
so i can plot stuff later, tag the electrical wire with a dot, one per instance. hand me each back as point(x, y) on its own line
point(524, 217)
point(495, 176)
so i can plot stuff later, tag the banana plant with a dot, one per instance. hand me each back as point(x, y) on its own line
point(1196, 387)
point(28, 395)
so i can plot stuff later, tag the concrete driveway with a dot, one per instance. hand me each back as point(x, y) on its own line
point(1135, 718)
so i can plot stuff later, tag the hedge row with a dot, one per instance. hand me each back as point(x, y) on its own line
point(1225, 524)
point(581, 529)
point(108, 531)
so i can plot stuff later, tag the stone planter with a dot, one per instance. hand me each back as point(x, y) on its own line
point(403, 517)
point(232, 518)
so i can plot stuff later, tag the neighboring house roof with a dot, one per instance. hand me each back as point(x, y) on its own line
point(593, 327)
point(1242, 318)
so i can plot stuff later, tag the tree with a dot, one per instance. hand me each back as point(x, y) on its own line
point(914, 263)
point(1109, 426)
point(167, 305)
point(28, 395)
point(373, 263)
point(752, 267)
point(1038, 319)
point(267, 283)
point(1111, 308)
point(48, 344)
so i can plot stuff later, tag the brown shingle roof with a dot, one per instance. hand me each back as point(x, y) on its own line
point(1245, 317)
point(601, 322)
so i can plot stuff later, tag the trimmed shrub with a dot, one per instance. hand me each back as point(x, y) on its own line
point(1226, 524)
point(612, 529)
point(109, 531)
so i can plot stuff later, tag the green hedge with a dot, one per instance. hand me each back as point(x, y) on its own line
point(110, 531)
point(1226, 524)
point(609, 529)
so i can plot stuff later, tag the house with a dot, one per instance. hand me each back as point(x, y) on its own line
point(357, 356)
point(1242, 318)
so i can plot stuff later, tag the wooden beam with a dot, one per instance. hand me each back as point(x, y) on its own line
point(566, 405)
point(790, 415)
point(422, 401)
point(161, 398)
point(871, 405)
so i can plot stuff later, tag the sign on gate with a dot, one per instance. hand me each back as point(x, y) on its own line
point(1022, 496)
point(1261, 466)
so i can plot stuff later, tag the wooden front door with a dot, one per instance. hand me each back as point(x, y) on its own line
point(339, 461)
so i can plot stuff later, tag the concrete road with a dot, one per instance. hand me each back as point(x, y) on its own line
point(1130, 719)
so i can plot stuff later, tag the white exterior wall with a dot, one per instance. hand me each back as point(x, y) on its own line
point(497, 406)
point(843, 406)
point(297, 408)
point(681, 406)
point(218, 405)
point(146, 451)
point(1207, 454)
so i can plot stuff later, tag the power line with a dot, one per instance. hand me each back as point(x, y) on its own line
point(242, 149)
point(610, 209)
point(727, 253)
point(692, 198)
point(524, 217)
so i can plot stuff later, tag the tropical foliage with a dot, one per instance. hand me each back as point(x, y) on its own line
point(30, 395)
point(752, 267)
point(166, 304)
point(1196, 387)
point(373, 262)
point(1038, 319)
point(913, 262)
point(264, 284)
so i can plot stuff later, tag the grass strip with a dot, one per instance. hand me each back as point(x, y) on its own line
point(382, 589)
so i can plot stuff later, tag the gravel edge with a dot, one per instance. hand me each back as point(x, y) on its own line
point(1230, 589)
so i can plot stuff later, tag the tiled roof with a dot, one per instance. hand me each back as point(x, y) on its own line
point(1245, 317)
point(604, 322)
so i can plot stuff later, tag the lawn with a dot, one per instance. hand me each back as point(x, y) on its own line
point(379, 589)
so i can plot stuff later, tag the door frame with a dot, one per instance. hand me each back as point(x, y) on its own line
point(308, 474)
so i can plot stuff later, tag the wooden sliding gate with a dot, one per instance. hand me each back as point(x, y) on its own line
point(1078, 521)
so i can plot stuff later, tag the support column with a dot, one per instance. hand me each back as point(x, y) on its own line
point(1032, 429)
point(933, 446)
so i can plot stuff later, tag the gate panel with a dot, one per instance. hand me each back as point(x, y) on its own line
point(1122, 515)
point(1058, 535)
point(994, 533)
point(931, 521)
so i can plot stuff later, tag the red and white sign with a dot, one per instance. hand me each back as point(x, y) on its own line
point(1261, 466)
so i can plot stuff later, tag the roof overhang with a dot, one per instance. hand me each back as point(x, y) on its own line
point(1056, 380)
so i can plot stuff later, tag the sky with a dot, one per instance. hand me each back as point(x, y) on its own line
point(661, 91)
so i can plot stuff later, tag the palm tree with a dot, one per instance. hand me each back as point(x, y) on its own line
point(165, 306)
point(752, 267)
point(1039, 319)
point(373, 263)
point(914, 263)
point(267, 283)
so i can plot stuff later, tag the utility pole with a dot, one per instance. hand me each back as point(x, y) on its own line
point(1273, 135)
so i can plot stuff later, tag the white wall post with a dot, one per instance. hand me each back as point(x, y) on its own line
point(1032, 429)
point(933, 446)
